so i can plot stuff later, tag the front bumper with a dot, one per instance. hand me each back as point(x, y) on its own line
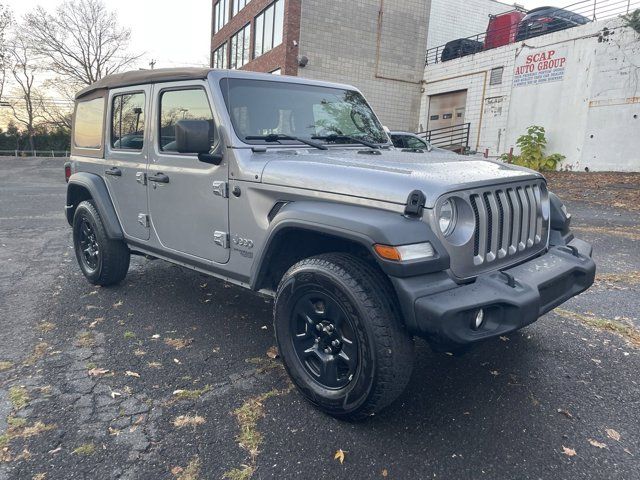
point(511, 299)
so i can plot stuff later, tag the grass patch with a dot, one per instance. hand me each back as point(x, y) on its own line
point(16, 422)
point(86, 340)
point(129, 335)
point(19, 397)
point(250, 437)
point(243, 473)
point(38, 352)
point(626, 278)
point(629, 333)
point(5, 366)
point(192, 394)
point(46, 326)
point(85, 449)
point(190, 472)
point(178, 343)
point(188, 421)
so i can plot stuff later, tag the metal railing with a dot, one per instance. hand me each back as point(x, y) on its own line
point(594, 10)
point(454, 138)
point(34, 153)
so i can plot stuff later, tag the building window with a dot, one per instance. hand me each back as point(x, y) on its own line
point(239, 55)
point(239, 5)
point(269, 26)
point(127, 122)
point(496, 76)
point(220, 15)
point(220, 56)
point(277, 71)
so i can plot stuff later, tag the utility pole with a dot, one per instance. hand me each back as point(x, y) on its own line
point(152, 64)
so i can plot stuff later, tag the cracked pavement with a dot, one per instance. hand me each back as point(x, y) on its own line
point(92, 380)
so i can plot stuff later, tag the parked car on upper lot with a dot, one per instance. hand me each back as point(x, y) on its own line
point(411, 141)
point(502, 29)
point(543, 20)
point(460, 48)
point(291, 188)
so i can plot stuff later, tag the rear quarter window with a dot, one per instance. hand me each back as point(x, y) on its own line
point(89, 123)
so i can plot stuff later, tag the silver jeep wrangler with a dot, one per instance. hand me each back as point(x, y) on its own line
point(292, 188)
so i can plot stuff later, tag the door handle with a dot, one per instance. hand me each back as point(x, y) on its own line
point(114, 172)
point(158, 178)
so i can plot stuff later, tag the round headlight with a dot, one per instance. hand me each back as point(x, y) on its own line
point(447, 218)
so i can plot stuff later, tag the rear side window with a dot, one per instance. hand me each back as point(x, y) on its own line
point(89, 121)
point(127, 121)
point(176, 105)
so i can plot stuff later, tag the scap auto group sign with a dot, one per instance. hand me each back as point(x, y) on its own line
point(539, 67)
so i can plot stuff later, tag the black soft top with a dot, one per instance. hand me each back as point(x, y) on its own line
point(142, 77)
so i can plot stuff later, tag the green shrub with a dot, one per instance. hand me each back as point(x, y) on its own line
point(532, 146)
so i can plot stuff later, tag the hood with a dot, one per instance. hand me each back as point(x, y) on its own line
point(390, 176)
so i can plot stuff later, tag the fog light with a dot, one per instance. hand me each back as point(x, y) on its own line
point(479, 320)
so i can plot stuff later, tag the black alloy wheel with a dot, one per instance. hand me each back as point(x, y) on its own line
point(324, 340)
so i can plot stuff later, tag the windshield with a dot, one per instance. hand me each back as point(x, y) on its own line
point(329, 115)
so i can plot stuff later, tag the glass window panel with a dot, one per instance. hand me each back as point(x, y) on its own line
point(278, 23)
point(233, 63)
point(127, 122)
point(258, 36)
point(268, 29)
point(89, 120)
point(182, 105)
point(246, 45)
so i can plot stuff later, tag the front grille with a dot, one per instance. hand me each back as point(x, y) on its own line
point(508, 221)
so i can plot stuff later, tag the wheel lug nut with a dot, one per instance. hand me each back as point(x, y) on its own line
point(319, 327)
point(327, 350)
point(317, 340)
point(336, 343)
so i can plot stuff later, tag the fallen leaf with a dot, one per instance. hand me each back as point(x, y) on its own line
point(98, 372)
point(596, 443)
point(264, 327)
point(155, 337)
point(129, 373)
point(115, 394)
point(177, 392)
point(54, 451)
point(273, 352)
point(339, 456)
point(495, 373)
point(504, 339)
point(626, 450)
point(569, 452)
point(119, 303)
point(385, 473)
point(565, 413)
point(177, 361)
point(177, 471)
point(612, 434)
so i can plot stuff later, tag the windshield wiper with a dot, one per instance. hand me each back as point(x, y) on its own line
point(276, 137)
point(335, 137)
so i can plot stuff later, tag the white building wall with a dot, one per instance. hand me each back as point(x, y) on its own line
point(386, 64)
point(591, 114)
point(452, 19)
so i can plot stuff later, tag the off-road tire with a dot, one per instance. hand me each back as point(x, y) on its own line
point(385, 348)
point(112, 262)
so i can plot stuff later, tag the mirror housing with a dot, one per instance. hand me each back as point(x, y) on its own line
point(192, 136)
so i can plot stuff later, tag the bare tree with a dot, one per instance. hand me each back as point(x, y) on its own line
point(81, 40)
point(26, 104)
point(5, 23)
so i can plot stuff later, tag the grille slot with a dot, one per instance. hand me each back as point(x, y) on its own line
point(508, 221)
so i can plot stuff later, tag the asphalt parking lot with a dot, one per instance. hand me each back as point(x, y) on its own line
point(167, 375)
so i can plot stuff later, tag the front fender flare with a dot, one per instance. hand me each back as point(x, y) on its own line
point(97, 189)
point(363, 225)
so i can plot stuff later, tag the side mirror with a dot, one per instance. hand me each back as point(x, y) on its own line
point(192, 136)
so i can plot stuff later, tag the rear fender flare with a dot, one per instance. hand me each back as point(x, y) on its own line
point(97, 190)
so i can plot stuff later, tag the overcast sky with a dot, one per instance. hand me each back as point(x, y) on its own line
point(174, 32)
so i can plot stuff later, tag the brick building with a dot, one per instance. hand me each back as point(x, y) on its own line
point(374, 45)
